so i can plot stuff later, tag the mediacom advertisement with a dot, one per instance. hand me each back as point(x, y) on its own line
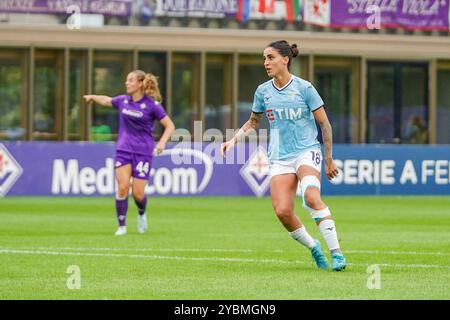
point(198, 169)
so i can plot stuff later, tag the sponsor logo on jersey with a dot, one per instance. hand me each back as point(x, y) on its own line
point(284, 113)
point(270, 115)
point(133, 113)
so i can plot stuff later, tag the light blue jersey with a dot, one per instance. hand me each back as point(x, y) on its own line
point(289, 111)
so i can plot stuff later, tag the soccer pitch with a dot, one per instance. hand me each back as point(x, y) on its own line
point(221, 248)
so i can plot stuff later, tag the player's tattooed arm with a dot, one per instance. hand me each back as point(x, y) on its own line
point(331, 169)
point(251, 124)
point(327, 136)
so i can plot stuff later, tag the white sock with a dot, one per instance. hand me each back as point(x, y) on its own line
point(328, 230)
point(302, 236)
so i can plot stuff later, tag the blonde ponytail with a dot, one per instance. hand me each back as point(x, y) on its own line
point(151, 87)
point(150, 82)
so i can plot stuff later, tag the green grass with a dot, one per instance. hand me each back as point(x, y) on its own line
point(220, 248)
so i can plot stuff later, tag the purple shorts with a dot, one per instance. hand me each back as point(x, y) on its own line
point(140, 164)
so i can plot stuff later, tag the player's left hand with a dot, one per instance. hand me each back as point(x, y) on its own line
point(331, 169)
point(160, 146)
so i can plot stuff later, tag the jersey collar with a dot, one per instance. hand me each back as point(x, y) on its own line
point(285, 86)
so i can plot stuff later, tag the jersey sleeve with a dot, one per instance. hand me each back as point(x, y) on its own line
point(313, 98)
point(158, 111)
point(258, 102)
point(117, 101)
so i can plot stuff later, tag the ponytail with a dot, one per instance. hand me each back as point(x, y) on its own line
point(151, 87)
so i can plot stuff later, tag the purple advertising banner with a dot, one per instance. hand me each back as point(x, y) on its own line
point(372, 14)
point(185, 169)
point(197, 7)
point(105, 7)
point(85, 169)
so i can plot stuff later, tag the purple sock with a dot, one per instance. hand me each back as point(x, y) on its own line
point(121, 210)
point(141, 205)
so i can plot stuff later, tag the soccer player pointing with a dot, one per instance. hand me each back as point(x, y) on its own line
point(135, 146)
point(292, 106)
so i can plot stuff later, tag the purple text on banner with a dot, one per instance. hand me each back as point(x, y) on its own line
point(105, 7)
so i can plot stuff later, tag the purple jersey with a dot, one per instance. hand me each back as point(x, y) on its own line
point(136, 123)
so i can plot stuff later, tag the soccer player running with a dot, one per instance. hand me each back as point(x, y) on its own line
point(292, 106)
point(138, 109)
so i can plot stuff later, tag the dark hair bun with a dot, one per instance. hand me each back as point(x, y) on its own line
point(294, 50)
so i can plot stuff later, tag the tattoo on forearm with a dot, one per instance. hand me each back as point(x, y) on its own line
point(255, 119)
point(327, 136)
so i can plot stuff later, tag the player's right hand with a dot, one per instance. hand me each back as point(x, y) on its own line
point(224, 147)
point(89, 98)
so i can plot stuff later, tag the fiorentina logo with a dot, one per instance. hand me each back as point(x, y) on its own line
point(10, 170)
point(256, 172)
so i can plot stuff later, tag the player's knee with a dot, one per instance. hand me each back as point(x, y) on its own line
point(283, 212)
point(310, 186)
point(138, 195)
point(122, 190)
point(312, 198)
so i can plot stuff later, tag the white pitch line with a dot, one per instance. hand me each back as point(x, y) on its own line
point(400, 265)
point(390, 252)
point(145, 249)
point(140, 256)
point(399, 252)
point(157, 257)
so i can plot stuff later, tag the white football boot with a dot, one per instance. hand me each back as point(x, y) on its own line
point(121, 231)
point(142, 223)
